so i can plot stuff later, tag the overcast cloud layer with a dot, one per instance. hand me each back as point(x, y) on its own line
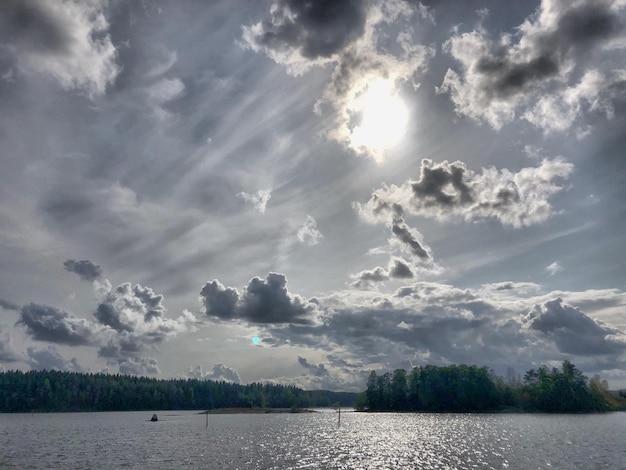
point(301, 192)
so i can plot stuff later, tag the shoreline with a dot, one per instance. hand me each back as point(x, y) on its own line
point(256, 410)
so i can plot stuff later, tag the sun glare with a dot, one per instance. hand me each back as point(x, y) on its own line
point(384, 118)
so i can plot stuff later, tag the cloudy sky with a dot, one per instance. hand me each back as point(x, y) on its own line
point(300, 192)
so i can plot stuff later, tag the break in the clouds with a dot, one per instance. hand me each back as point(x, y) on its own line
point(85, 269)
point(448, 190)
point(262, 301)
point(564, 60)
point(65, 40)
point(259, 200)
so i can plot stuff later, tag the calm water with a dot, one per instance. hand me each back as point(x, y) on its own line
point(277, 441)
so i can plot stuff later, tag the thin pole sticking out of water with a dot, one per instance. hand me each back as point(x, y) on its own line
point(207, 419)
point(339, 416)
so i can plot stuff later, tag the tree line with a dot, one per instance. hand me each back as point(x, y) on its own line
point(70, 391)
point(462, 388)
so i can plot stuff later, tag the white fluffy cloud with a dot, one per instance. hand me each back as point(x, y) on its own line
point(450, 190)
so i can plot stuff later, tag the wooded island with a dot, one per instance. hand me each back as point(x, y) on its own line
point(462, 388)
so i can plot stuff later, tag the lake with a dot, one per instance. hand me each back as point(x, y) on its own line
point(312, 440)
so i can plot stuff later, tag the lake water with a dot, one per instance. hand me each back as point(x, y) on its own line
point(282, 441)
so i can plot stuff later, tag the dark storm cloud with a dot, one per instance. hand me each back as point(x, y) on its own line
point(8, 305)
point(316, 29)
point(401, 230)
point(573, 331)
point(262, 301)
point(85, 269)
point(56, 326)
point(318, 370)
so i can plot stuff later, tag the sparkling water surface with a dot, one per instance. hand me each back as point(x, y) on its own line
point(312, 440)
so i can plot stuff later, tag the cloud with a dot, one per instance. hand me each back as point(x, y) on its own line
point(347, 34)
point(410, 239)
point(262, 301)
point(65, 40)
point(139, 366)
point(220, 373)
point(308, 232)
point(128, 320)
point(554, 268)
point(450, 190)
point(51, 359)
point(46, 323)
point(301, 32)
point(409, 255)
point(309, 29)
point(435, 323)
point(573, 331)
point(259, 200)
point(137, 315)
point(533, 72)
point(7, 351)
point(85, 269)
point(8, 305)
point(318, 370)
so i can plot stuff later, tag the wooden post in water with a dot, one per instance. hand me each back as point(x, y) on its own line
point(339, 416)
point(207, 418)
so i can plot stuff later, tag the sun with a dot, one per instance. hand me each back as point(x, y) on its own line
point(384, 118)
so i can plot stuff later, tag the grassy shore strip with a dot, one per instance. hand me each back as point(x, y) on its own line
point(256, 410)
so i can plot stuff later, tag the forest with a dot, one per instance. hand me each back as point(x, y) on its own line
point(462, 388)
point(46, 391)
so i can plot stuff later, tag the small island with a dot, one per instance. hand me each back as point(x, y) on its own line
point(462, 389)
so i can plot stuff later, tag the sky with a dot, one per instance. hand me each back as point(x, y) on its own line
point(301, 192)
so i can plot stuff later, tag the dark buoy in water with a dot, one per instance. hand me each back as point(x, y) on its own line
point(154, 417)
